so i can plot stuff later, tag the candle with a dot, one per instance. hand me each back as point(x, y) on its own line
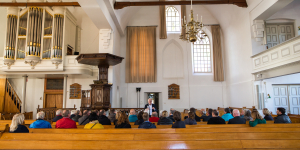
point(184, 19)
point(181, 22)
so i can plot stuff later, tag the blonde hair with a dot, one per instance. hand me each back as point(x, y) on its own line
point(118, 115)
point(266, 111)
point(255, 115)
point(18, 119)
point(164, 114)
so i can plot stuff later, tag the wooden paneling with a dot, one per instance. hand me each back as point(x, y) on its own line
point(59, 101)
point(54, 100)
point(2, 94)
point(9, 106)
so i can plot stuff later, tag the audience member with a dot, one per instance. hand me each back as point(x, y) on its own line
point(65, 122)
point(178, 123)
point(94, 123)
point(58, 115)
point(112, 115)
point(215, 119)
point(40, 122)
point(17, 124)
point(203, 113)
point(103, 119)
point(154, 117)
point(256, 118)
point(164, 120)
point(146, 124)
point(118, 115)
point(231, 111)
point(197, 118)
point(78, 115)
point(208, 115)
point(140, 118)
point(123, 121)
point(242, 113)
point(248, 115)
point(281, 116)
point(191, 119)
point(85, 118)
point(227, 114)
point(172, 111)
point(132, 117)
point(267, 114)
point(73, 114)
point(237, 119)
point(97, 112)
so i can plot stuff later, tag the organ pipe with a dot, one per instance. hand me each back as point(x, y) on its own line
point(34, 31)
point(11, 36)
point(58, 35)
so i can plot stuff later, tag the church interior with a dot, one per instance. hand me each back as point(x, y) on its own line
point(101, 55)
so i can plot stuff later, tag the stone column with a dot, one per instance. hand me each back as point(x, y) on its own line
point(24, 93)
point(65, 92)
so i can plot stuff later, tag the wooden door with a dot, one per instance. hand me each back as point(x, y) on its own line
point(294, 97)
point(281, 97)
point(54, 100)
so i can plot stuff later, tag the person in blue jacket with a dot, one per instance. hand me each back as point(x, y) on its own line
point(146, 124)
point(40, 122)
point(227, 116)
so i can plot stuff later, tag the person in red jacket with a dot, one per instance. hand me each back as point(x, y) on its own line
point(154, 117)
point(65, 122)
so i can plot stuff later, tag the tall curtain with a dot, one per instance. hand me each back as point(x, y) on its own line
point(163, 25)
point(217, 54)
point(183, 13)
point(141, 55)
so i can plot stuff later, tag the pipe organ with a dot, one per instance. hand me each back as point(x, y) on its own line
point(38, 34)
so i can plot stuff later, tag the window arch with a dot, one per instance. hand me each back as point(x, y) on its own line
point(172, 19)
point(202, 59)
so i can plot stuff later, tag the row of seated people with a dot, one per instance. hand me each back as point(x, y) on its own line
point(123, 121)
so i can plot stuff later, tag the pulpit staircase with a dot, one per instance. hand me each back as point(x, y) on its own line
point(12, 100)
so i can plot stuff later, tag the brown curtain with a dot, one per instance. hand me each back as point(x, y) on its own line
point(141, 55)
point(217, 54)
point(163, 25)
point(183, 13)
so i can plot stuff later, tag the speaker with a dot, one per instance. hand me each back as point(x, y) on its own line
point(138, 89)
point(76, 53)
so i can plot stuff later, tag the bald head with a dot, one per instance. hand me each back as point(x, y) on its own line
point(154, 114)
point(236, 113)
point(132, 112)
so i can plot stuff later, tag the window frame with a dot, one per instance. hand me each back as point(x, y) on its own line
point(179, 15)
point(211, 57)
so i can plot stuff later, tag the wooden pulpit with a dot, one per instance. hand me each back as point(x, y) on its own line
point(100, 92)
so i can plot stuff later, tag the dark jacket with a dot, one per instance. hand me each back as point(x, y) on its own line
point(76, 118)
point(268, 117)
point(21, 129)
point(178, 124)
point(164, 121)
point(123, 125)
point(72, 116)
point(147, 125)
point(237, 120)
point(153, 105)
point(112, 117)
point(189, 121)
point(83, 120)
point(138, 122)
point(104, 120)
point(205, 118)
point(282, 119)
point(216, 120)
point(56, 118)
point(171, 117)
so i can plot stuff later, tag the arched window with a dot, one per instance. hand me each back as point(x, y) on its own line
point(172, 19)
point(202, 60)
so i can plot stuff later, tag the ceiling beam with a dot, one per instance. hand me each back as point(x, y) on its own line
point(75, 4)
point(240, 3)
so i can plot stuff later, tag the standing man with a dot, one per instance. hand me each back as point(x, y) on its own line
point(151, 107)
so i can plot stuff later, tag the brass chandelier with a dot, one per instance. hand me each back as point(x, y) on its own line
point(192, 28)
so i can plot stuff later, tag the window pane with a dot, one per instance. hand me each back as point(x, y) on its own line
point(173, 19)
point(202, 55)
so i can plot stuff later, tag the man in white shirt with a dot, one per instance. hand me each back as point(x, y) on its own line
point(150, 107)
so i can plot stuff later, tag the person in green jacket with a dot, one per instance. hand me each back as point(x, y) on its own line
point(257, 118)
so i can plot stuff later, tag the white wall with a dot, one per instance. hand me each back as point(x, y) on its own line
point(3, 18)
point(198, 91)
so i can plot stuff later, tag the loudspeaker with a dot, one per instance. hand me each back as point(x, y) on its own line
point(76, 53)
point(138, 89)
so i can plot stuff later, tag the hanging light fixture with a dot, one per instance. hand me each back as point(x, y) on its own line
point(192, 28)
